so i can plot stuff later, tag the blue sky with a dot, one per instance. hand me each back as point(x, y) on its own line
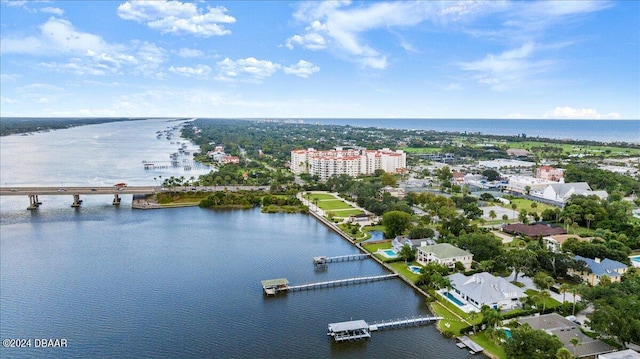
point(372, 59)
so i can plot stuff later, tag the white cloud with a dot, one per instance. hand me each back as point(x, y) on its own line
point(340, 27)
point(177, 18)
point(52, 10)
point(15, 3)
point(88, 54)
point(57, 36)
point(38, 88)
point(9, 77)
point(509, 69)
point(301, 69)
point(196, 71)
point(579, 113)
point(186, 52)
point(249, 69)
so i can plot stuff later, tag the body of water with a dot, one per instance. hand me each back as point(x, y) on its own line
point(185, 282)
point(592, 130)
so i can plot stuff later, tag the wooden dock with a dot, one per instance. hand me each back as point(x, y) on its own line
point(341, 282)
point(344, 258)
point(273, 286)
point(400, 323)
point(359, 329)
point(466, 342)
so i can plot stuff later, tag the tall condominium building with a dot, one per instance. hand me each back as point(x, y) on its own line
point(353, 162)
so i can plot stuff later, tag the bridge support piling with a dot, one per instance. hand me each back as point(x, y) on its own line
point(76, 201)
point(116, 200)
point(33, 202)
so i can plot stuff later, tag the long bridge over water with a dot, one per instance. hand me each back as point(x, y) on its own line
point(34, 192)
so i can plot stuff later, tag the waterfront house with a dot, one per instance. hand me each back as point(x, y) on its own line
point(485, 289)
point(596, 268)
point(400, 241)
point(444, 254)
point(564, 329)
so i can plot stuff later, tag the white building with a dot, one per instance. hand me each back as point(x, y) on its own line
point(502, 163)
point(485, 289)
point(444, 254)
point(561, 192)
point(353, 162)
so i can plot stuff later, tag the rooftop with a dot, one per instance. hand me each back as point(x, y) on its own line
point(533, 230)
point(555, 324)
point(444, 250)
point(602, 267)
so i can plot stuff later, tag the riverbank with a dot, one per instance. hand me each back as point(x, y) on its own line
point(450, 320)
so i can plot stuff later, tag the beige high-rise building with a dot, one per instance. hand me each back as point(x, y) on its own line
point(353, 162)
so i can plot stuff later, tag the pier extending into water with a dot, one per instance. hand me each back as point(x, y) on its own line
point(322, 261)
point(273, 286)
point(359, 329)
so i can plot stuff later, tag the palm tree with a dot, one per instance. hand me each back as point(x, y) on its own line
point(567, 222)
point(505, 218)
point(472, 317)
point(563, 353)
point(564, 288)
point(575, 342)
point(543, 296)
point(589, 217)
point(513, 207)
point(492, 214)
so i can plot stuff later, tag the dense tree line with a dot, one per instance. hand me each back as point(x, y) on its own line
point(601, 180)
point(15, 125)
point(616, 308)
point(222, 199)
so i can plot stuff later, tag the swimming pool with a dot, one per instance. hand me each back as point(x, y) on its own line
point(507, 332)
point(635, 261)
point(390, 253)
point(453, 299)
point(414, 269)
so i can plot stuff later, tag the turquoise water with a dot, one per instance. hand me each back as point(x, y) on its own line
point(635, 259)
point(455, 300)
point(507, 333)
point(390, 252)
point(415, 269)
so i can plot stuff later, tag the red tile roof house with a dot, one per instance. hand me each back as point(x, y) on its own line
point(534, 230)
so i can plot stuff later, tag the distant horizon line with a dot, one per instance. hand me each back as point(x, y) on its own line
point(322, 118)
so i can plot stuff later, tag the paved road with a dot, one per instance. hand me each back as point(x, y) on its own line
point(25, 191)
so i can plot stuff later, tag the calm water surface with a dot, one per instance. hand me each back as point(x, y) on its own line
point(118, 282)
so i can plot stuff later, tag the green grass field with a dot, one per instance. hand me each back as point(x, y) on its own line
point(319, 196)
point(580, 149)
point(346, 213)
point(420, 150)
point(328, 205)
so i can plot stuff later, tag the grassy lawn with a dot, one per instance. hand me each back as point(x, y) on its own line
point(319, 196)
point(483, 340)
point(526, 204)
point(421, 150)
point(402, 268)
point(373, 248)
point(346, 212)
point(548, 303)
point(577, 149)
point(450, 321)
point(328, 205)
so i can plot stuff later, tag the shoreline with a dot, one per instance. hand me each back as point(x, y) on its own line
point(424, 294)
